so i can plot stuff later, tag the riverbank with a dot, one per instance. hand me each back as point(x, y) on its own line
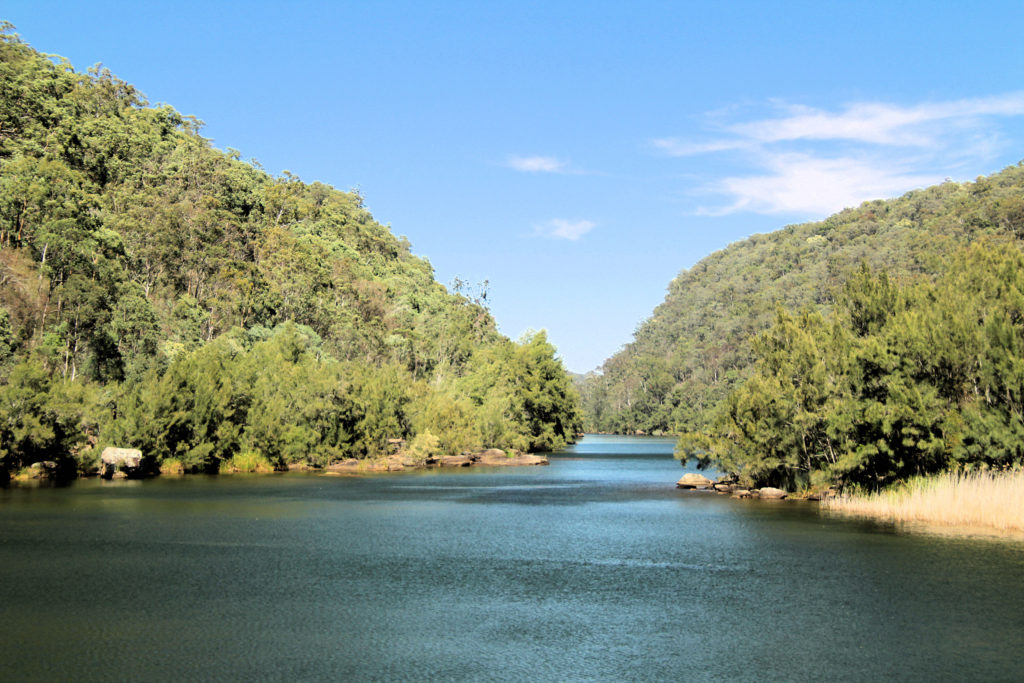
point(492, 457)
point(962, 504)
point(990, 503)
point(399, 462)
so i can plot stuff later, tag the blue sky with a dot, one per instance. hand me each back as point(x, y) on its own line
point(577, 155)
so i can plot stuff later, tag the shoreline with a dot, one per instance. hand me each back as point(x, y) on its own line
point(40, 473)
point(979, 505)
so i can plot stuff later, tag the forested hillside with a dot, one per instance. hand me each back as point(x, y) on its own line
point(696, 347)
point(901, 379)
point(158, 293)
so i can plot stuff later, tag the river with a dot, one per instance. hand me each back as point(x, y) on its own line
point(594, 568)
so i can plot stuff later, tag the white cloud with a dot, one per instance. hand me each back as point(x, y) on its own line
point(681, 148)
point(565, 229)
point(881, 124)
point(814, 161)
point(874, 123)
point(799, 183)
point(537, 164)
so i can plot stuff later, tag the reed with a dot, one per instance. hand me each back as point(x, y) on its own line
point(991, 502)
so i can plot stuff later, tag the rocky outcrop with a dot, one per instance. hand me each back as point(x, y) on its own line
point(494, 457)
point(399, 462)
point(123, 460)
point(691, 480)
point(730, 486)
point(44, 469)
point(455, 461)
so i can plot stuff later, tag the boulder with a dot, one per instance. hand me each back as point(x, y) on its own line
point(44, 469)
point(740, 493)
point(691, 480)
point(114, 460)
point(771, 493)
point(724, 488)
point(121, 457)
point(455, 461)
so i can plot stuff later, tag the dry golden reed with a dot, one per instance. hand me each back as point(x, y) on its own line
point(977, 501)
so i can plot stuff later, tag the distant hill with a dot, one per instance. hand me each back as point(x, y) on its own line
point(696, 347)
point(159, 293)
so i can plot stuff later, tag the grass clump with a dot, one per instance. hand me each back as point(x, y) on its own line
point(246, 462)
point(172, 466)
point(972, 501)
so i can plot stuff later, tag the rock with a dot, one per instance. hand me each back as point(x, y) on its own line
point(691, 480)
point(121, 457)
point(114, 460)
point(118, 474)
point(528, 459)
point(455, 461)
point(771, 493)
point(350, 465)
point(495, 457)
point(740, 493)
point(724, 488)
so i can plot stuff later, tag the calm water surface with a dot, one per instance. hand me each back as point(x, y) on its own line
point(595, 568)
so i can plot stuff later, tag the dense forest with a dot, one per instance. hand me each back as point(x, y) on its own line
point(695, 347)
point(158, 293)
point(883, 341)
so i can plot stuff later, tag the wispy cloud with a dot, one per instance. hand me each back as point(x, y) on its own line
point(537, 164)
point(801, 183)
point(814, 161)
point(565, 229)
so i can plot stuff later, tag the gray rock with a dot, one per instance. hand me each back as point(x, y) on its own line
point(771, 493)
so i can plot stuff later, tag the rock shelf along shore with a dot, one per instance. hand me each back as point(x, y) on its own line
point(492, 457)
point(728, 485)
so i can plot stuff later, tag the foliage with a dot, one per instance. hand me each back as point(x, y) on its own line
point(696, 347)
point(899, 380)
point(158, 293)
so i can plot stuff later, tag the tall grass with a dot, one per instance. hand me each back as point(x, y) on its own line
point(991, 502)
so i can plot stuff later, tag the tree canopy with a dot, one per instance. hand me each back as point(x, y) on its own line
point(696, 347)
point(157, 292)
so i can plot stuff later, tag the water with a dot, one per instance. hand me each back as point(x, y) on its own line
point(594, 568)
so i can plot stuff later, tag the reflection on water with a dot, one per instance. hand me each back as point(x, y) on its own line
point(594, 567)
